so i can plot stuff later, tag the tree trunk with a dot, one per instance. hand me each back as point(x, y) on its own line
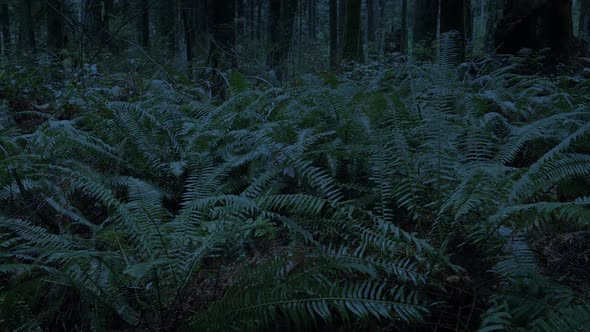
point(188, 27)
point(371, 19)
point(55, 28)
point(105, 33)
point(425, 22)
point(537, 24)
point(282, 16)
point(28, 26)
point(494, 12)
point(468, 23)
point(585, 20)
point(252, 19)
point(558, 27)
point(5, 28)
point(352, 46)
point(452, 26)
point(144, 25)
point(341, 16)
point(404, 28)
point(259, 28)
point(333, 33)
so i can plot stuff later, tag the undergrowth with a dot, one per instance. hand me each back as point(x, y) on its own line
point(404, 198)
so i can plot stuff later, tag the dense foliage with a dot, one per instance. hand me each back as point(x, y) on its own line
point(395, 195)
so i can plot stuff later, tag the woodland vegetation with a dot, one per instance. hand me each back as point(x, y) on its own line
point(294, 165)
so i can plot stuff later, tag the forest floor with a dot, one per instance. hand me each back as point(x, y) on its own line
point(394, 196)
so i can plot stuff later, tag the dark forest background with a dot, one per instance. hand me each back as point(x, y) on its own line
point(287, 37)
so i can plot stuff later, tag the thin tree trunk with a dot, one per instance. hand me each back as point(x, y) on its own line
point(341, 17)
point(187, 24)
point(259, 27)
point(144, 25)
point(404, 28)
point(333, 33)
point(352, 48)
point(105, 34)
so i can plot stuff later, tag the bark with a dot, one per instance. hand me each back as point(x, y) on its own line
point(5, 27)
point(537, 24)
point(333, 33)
point(425, 22)
point(352, 45)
